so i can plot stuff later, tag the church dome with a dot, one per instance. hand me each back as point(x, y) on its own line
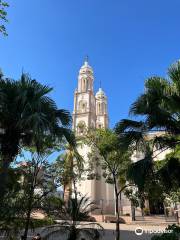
point(100, 94)
point(86, 67)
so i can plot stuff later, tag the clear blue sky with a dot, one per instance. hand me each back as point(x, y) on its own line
point(126, 41)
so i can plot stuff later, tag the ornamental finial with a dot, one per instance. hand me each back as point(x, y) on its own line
point(87, 58)
point(100, 83)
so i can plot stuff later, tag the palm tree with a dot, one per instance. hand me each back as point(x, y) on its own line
point(159, 109)
point(69, 167)
point(74, 215)
point(27, 115)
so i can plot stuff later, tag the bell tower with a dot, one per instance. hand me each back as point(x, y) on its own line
point(90, 111)
point(84, 114)
point(101, 110)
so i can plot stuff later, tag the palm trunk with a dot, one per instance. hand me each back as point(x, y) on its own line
point(29, 210)
point(9, 149)
point(72, 234)
point(75, 189)
point(4, 175)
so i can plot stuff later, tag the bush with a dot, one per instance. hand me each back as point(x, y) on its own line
point(127, 214)
point(37, 223)
point(175, 235)
point(146, 211)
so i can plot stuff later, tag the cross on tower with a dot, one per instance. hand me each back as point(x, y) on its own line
point(100, 83)
point(87, 58)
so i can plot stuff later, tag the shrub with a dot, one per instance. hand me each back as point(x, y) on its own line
point(37, 223)
point(146, 211)
point(127, 214)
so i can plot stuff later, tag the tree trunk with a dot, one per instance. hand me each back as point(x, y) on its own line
point(28, 214)
point(117, 219)
point(73, 234)
point(142, 212)
point(142, 200)
point(27, 224)
point(121, 208)
point(9, 149)
point(133, 212)
point(117, 209)
point(4, 175)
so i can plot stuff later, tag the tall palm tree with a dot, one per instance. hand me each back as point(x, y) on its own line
point(75, 214)
point(69, 167)
point(27, 115)
point(159, 109)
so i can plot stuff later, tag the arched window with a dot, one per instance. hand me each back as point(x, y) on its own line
point(81, 127)
point(99, 107)
point(84, 85)
point(82, 106)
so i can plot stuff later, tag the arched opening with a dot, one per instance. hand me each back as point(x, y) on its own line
point(81, 127)
point(82, 106)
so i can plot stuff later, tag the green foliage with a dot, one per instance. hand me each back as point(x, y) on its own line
point(107, 153)
point(3, 16)
point(28, 117)
point(21, 198)
point(133, 196)
point(159, 110)
point(72, 213)
point(68, 167)
point(169, 236)
point(12, 229)
point(51, 204)
point(10, 206)
point(38, 223)
point(146, 211)
point(169, 174)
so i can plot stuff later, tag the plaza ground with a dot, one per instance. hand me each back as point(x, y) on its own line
point(127, 231)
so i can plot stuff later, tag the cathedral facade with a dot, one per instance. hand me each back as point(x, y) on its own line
point(91, 111)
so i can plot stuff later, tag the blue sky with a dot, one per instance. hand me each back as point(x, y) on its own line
point(126, 41)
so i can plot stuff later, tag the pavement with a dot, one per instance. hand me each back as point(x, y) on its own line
point(127, 232)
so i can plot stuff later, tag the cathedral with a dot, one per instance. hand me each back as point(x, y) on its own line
point(91, 111)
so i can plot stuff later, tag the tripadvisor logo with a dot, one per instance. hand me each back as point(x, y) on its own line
point(139, 231)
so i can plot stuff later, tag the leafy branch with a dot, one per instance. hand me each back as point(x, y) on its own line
point(3, 17)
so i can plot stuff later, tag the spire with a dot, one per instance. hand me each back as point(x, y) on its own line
point(86, 60)
point(86, 64)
